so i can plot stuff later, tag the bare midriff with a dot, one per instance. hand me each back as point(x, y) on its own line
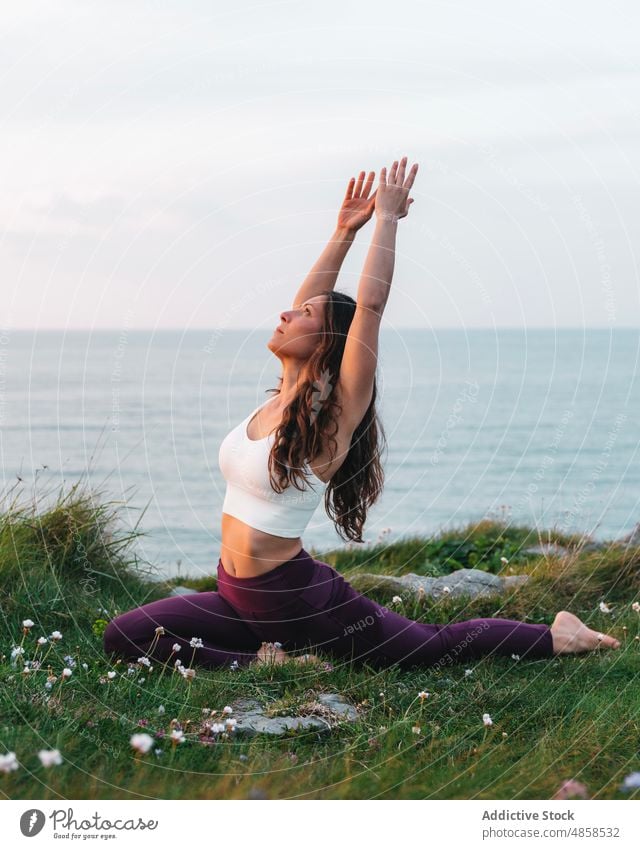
point(247, 552)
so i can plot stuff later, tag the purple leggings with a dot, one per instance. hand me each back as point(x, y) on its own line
point(305, 604)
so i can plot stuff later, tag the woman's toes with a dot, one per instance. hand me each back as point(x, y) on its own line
point(271, 653)
point(608, 641)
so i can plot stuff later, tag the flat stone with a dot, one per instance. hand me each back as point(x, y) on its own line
point(547, 548)
point(512, 582)
point(331, 709)
point(593, 546)
point(182, 591)
point(338, 705)
point(475, 583)
point(632, 539)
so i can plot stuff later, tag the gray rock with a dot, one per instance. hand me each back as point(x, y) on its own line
point(632, 539)
point(593, 546)
point(512, 582)
point(547, 548)
point(182, 591)
point(475, 583)
point(336, 703)
point(331, 709)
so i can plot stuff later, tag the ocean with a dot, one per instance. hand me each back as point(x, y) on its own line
point(539, 426)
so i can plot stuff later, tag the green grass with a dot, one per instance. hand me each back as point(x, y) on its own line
point(570, 717)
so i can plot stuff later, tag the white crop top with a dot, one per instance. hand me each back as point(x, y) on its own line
point(250, 496)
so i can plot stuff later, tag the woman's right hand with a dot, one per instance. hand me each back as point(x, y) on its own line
point(392, 194)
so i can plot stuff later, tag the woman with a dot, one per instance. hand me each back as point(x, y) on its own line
point(318, 437)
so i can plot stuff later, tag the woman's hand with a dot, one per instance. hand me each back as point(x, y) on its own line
point(392, 194)
point(357, 206)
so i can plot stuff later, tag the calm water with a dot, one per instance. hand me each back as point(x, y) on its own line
point(540, 426)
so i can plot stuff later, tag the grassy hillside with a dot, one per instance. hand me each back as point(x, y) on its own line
point(72, 566)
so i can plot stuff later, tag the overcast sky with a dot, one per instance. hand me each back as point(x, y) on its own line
point(180, 164)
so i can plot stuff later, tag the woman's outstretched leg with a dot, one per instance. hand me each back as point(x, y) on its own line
point(344, 622)
point(225, 637)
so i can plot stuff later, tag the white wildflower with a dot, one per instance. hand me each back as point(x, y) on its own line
point(468, 672)
point(176, 647)
point(55, 635)
point(631, 781)
point(27, 623)
point(227, 709)
point(504, 561)
point(42, 641)
point(177, 736)
point(195, 643)
point(145, 661)
point(396, 600)
point(9, 762)
point(604, 608)
point(161, 709)
point(636, 606)
point(422, 695)
point(15, 653)
point(111, 674)
point(66, 672)
point(50, 757)
point(515, 656)
point(487, 719)
point(141, 742)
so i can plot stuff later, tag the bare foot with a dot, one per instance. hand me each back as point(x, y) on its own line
point(571, 636)
point(307, 658)
point(274, 653)
point(271, 653)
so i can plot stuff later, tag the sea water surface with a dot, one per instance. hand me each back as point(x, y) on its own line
point(538, 426)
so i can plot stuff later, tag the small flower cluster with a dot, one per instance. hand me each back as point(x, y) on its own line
point(215, 728)
point(36, 664)
point(48, 757)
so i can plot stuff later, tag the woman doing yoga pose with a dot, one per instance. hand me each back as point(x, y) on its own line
point(318, 437)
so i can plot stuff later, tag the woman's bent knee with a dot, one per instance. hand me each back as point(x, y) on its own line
point(114, 638)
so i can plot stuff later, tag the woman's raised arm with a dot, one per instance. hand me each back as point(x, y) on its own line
point(392, 203)
point(360, 357)
point(357, 208)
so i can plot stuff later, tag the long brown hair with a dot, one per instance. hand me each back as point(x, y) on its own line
point(306, 421)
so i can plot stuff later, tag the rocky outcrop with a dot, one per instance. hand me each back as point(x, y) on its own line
point(322, 714)
point(474, 583)
point(182, 591)
point(546, 549)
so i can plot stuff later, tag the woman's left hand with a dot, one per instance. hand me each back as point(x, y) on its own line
point(357, 207)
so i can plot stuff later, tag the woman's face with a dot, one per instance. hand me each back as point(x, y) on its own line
point(300, 329)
